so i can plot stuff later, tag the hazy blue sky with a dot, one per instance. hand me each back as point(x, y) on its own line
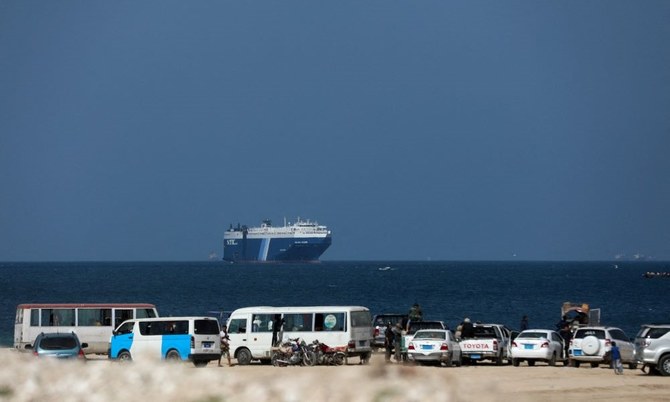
point(443, 130)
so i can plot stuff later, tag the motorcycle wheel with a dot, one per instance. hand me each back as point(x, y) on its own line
point(309, 358)
point(276, 360)
point(338, 358)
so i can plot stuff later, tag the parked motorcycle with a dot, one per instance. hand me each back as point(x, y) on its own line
point(293, 352)
point(326, 355)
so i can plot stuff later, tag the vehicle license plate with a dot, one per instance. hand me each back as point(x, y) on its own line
point(475, 357)
point(426, 347)
point(577, 352)
point(207, 345)
point(528, 346)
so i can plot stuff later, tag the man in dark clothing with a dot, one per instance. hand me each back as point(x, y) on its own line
point(388, 341)
point(467, 329)
point(397, 342)
point(566, 334)
point(277, 323)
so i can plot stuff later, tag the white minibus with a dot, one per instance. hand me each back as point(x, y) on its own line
point(92, 322)
point(252, 330)
point(195, 339)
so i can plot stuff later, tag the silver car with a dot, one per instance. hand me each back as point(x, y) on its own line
point(652, 347)
point(435, 346)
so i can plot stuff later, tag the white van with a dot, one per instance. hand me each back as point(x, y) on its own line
point(252, 329)
point(169, 338)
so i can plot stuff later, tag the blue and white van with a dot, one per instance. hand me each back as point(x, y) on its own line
point(195, 339)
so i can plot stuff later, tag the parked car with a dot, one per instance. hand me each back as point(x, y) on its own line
point(534, 345)
point(379, 326)
point(652, 347)
point(64, 345)
point(434, 346)
point(412, 328)
point(594, 344)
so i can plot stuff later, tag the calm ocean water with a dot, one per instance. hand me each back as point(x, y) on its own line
point(498, 292)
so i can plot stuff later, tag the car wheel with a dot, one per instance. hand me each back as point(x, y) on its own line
point(575, 363)
point(595, 364)
point(172, 356)
point(552, 361)
point(200, 363)
point(243, 357)
point(664, 365)
point(124, 356)
point(632, 366)
point(499, 360)
point(531, 363)
point(515, 362)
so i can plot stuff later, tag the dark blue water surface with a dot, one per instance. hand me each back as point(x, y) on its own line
point(498, 292)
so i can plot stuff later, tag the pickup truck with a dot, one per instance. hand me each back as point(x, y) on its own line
point(490, 342)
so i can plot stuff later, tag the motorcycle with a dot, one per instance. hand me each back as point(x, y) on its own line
point(326, 355)
point(293, 352)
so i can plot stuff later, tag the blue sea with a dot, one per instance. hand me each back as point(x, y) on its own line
point(500, 292)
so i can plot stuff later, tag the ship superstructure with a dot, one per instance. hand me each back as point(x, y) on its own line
point(301, 241)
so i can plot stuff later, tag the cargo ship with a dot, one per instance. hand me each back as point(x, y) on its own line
point(301, 241)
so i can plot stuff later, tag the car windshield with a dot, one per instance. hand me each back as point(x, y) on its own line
point(58, 343)
point(532, 335)
point(382, 320)
point(417, 325)
point(430, 335)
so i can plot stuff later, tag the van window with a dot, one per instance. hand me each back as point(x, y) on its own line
point(121, 315)
point(206, 327)
point(126, 328)
point(360, 319)
point(35, 318)
point(261, 323)
point(91, 317)
point(329, 322)
point(58, 317)
point(297, 322)
point(237, 326)
point(145, 313)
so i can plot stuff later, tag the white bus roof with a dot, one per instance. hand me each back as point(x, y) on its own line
point(297, 309)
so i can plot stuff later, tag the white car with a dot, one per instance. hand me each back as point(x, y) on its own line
point(434, 346)
point(594, 344)
point(534, 345)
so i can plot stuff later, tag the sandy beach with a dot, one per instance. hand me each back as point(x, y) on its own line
point(24, 378)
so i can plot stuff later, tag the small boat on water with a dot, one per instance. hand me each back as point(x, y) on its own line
point(650, 274)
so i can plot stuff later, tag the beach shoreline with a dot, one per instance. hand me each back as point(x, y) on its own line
point(25, 378)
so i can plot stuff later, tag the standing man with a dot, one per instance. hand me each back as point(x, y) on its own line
point(388, 341)
point(524, 323)
point(277, 324)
